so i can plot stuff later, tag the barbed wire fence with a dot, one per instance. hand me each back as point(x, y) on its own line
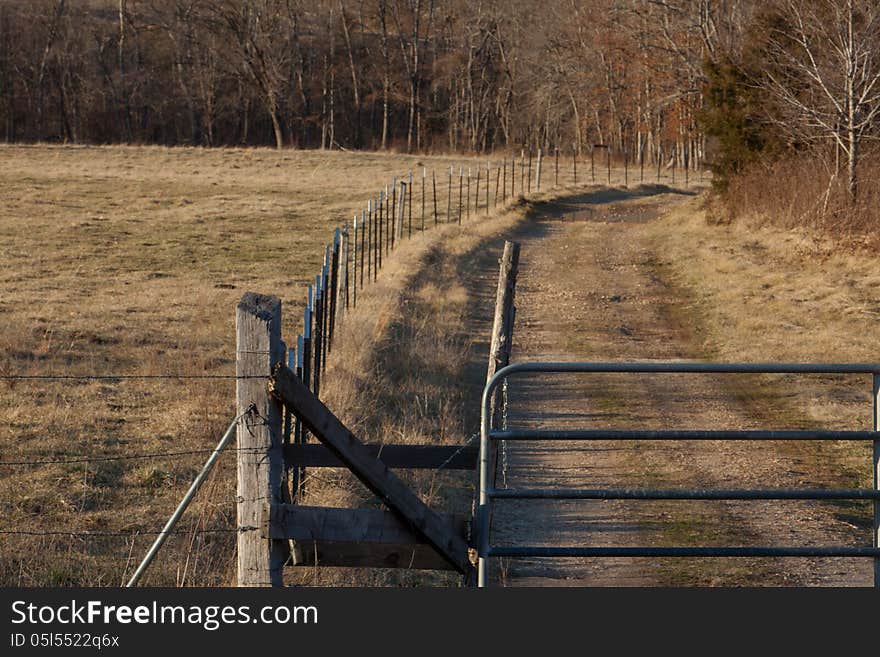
point(407, 206)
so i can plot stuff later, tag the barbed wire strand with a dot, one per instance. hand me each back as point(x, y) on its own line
point(125, 457)
point(126, 534)
point(115, 377)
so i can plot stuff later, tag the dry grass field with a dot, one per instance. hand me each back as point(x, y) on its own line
point(757, 292)
point(129, 261)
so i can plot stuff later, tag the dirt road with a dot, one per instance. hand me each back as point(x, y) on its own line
point(592, 288)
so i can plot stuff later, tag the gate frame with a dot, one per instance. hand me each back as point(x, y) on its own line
point(487, 434)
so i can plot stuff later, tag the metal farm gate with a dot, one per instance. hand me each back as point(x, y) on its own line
point(490, 436)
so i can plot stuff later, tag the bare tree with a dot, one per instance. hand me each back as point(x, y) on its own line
point(261, 42)
point(825, 71)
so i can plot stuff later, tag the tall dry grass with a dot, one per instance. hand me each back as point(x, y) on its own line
point(807, 191)
point(129, 260)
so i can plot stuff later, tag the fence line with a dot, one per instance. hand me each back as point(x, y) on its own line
point(351, 261)
point(116, 377)
point(359, 248)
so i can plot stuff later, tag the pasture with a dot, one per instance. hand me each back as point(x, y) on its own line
point(129, 261)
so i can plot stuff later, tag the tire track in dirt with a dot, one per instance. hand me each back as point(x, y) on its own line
point(590, 289)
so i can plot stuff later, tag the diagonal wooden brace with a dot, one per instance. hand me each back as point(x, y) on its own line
point(372, 472)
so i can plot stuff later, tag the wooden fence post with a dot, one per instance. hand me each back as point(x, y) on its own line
point(502, 324)
point(261, 475)
point(499, 356)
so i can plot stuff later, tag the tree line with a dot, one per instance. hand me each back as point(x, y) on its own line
point(414, 75)
point(733, 81)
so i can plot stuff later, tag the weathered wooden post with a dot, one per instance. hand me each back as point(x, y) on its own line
point(261, 477)
point(424, 182)
point(502, 323)
point(499, 357)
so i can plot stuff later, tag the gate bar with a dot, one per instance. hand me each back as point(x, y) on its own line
point(688, 367)
point(819, 551)
point(684, 494)
point(487, 434)
point(675, 434)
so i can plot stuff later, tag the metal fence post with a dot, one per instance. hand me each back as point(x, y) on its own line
point(876, 471)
